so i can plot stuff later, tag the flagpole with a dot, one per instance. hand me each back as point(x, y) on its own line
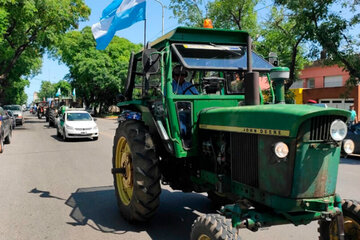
point(144, 33)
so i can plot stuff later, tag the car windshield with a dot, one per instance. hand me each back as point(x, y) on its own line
point(12, 107)
point(10, 113)
point(78, 117)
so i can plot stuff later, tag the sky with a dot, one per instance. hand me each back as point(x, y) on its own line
point(53, 70)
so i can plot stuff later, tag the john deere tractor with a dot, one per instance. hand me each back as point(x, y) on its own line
point(266, 164)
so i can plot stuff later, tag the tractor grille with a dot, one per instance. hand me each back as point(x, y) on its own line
point(320, 127)
point(244, 158)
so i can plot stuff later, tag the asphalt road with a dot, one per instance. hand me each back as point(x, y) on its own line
point(58, 190)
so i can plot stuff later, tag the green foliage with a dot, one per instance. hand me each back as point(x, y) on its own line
point(98, 76)
point(328, 27)
point(15, 94)
point(284, 36)
point(27, 29)
point(65, 88)
point(229, 14)
point(47, 90)
point(234, 14)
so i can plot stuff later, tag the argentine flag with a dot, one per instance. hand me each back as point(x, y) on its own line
point(120, 14)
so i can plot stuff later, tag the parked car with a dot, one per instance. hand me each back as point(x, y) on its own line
point(5, 129)
point(12, 116)
point(354, 135)
point(18, 113)
point(76, 124)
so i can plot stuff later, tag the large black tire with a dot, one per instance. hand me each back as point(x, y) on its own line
point(138, 189)
point(52, 116)
point(213, 227)
point(351, 211)
point(8, 138)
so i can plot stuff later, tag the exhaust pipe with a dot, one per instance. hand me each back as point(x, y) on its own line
point(252, 94)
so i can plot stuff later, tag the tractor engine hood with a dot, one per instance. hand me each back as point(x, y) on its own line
point(279, 120)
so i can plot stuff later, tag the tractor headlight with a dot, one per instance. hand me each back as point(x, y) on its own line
point(348, 146)
point(281, 150)
point(338, 130)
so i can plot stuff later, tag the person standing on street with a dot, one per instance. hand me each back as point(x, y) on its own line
point(353, 118)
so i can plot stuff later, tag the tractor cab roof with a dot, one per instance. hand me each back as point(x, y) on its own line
point(212, 49)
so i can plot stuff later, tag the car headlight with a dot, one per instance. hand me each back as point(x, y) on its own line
point(338, 130)
point(96, 128)
point(348, 146)
point(69, 127)
point(281, 150)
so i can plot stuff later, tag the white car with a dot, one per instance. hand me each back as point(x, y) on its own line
point(77, 124)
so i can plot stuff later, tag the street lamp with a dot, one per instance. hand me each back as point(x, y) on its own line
point(162, 6)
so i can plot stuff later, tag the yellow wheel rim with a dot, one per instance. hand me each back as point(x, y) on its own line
point(124, 181)
point(351, 229)
point(204, 237)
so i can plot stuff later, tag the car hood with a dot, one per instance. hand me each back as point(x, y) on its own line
point(16, 112)
point(81, 124)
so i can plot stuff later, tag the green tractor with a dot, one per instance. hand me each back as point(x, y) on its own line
point(265, 164)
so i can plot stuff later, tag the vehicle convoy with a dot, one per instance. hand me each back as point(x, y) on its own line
point(5, 129)
point(267, 164)
point(76, 124)
point(18, 113)
point(42, 109)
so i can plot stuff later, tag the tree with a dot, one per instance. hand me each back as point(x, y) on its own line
point(328, 30)
point(47, 90)
point(229, 14)
point(15, 94)
point(31, 28)
point(64, 86)
point(98, 76)
point(286, 37)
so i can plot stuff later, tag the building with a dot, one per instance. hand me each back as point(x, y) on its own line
point(326, 84)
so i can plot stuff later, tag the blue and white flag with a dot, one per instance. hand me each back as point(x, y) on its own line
point(74, 93)
point(120, 14)
point(58, 93)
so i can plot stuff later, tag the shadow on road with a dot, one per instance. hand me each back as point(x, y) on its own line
point(173, 220)
point(72, 139)
point(44, 194)
point(34, 120)
point(351, 160)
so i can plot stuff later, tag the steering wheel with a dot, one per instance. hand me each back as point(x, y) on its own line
point(189, 87)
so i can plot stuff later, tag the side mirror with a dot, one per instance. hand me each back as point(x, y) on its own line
point(95, 119)
point(151, 61)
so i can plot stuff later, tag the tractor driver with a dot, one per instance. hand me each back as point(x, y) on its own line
point(179, 85)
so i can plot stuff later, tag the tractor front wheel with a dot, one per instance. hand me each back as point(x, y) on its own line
point(213, 227)
point(351, 211)
point(136, 172)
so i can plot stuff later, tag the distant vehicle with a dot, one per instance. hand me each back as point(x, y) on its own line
point(77, 124)
point(18, 113)
point(5, 129)
point(12, 116)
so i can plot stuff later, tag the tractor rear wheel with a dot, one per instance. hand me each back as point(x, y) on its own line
point(351, 211)
point(136, 172)
point(51, 118)
point(213, 227)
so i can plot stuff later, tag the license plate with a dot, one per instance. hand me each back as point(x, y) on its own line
point(83, 133)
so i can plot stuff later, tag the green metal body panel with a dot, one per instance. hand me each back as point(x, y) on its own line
point(276, 117)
